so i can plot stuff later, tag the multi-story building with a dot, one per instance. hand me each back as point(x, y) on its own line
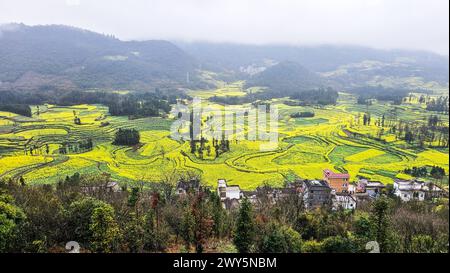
point(316, 193)
point(339, 182)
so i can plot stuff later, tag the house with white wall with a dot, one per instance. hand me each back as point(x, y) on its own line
point(228, 192)
point(343, 200)
point(416, 190)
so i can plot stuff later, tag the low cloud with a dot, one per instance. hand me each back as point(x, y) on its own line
point(410, 24)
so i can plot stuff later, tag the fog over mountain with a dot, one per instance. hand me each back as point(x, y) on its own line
point(137, 44)
point(386, 24)
point(57, 57)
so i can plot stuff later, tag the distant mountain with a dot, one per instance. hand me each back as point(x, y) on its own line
point(61, 57)
point(348, 66)
point(54, 57)
point(287, 77)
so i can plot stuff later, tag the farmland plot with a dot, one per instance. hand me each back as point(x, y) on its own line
point(331, 139)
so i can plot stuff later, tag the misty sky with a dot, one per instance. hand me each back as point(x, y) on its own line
point(410, 24)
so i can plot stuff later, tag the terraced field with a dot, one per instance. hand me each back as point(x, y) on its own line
point(306, 147)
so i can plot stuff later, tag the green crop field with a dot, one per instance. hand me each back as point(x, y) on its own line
point(332, 139)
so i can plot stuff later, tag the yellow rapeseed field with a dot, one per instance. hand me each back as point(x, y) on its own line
point(306, 146)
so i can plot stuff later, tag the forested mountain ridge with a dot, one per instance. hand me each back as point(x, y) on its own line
point(62, 57)
point(348, 66)
point(287, 77)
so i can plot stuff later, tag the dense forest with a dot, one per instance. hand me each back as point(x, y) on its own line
point(143, 104)
point(20, 109)
point(43, 218)
point(302, 115)
point(127, 137)
point(147, 105)
point(439, 105)
point(366, 93)
point(320, 96)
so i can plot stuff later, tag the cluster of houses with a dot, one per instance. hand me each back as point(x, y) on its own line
point(333, 190)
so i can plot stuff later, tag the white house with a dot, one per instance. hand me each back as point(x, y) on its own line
point(410, 190)
point(344, 201)
point(228, 191)
point(234, 192)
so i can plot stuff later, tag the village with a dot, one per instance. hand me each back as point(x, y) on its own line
point(334, 189)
